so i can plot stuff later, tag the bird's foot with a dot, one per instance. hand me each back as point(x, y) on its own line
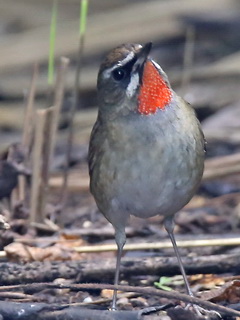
point(204, 313)
point(113, 306)
point(112, 309)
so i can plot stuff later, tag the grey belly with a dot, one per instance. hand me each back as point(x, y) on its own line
point(150, 188)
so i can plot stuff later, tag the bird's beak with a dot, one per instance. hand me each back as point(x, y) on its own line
point(142, 56)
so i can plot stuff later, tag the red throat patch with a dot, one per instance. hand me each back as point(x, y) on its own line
point(154, 93)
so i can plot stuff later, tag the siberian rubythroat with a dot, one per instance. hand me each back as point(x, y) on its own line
point(146, 153)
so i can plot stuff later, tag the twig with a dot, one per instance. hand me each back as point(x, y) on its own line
point(223, 161)
point(40, 165)
point(173, 295)
point(37, 161)
point(17, 295)
point(64, 192)
point(188, 59)
point(58, 98)
point(136, 246)
point(52, 39)
point(76, 182)
point(46, 152)
point(28, 130)
point(28, 119)
point(76, 97)
point(46, 226)
point(216, 173)
point(219, 167)
point(104, 232)
point(162, 245)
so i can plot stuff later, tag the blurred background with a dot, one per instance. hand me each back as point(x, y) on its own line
point(197, 43)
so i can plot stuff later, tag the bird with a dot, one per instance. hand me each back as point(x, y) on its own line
point(11, 166)
point(8, 178)
point(146, 150)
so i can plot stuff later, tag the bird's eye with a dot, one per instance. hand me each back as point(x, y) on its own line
point(118, 74)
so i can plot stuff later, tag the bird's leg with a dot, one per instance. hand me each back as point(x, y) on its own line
point(120, 238)
point(116, 278)
point(169, 226)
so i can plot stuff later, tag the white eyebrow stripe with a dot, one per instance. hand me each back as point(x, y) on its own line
point(125, 60)
point(132, 86)
point(121, 63)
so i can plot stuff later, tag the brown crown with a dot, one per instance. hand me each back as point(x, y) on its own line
point(118, 54)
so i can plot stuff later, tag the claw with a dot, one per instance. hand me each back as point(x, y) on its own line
point(203, 312)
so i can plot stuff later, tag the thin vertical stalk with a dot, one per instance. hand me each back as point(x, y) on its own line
point(46, 154)
point(41, 157)
point(37, 165)
point(27, 135)
point(188, 59)
point(57, 103)
point(76, 97)
point(52, 39)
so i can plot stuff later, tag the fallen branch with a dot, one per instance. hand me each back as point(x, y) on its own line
point(172, 295)
point(92, 271)
point(39, 311)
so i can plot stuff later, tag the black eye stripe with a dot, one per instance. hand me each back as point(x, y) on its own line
point(123, 72)
point(128, 66)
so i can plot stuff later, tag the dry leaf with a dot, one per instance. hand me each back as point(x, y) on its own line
point(229, 293)
point(17, 252)
point(107, 293)
point(206, 281)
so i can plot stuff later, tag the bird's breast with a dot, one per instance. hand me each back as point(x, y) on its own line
point(149, 165)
